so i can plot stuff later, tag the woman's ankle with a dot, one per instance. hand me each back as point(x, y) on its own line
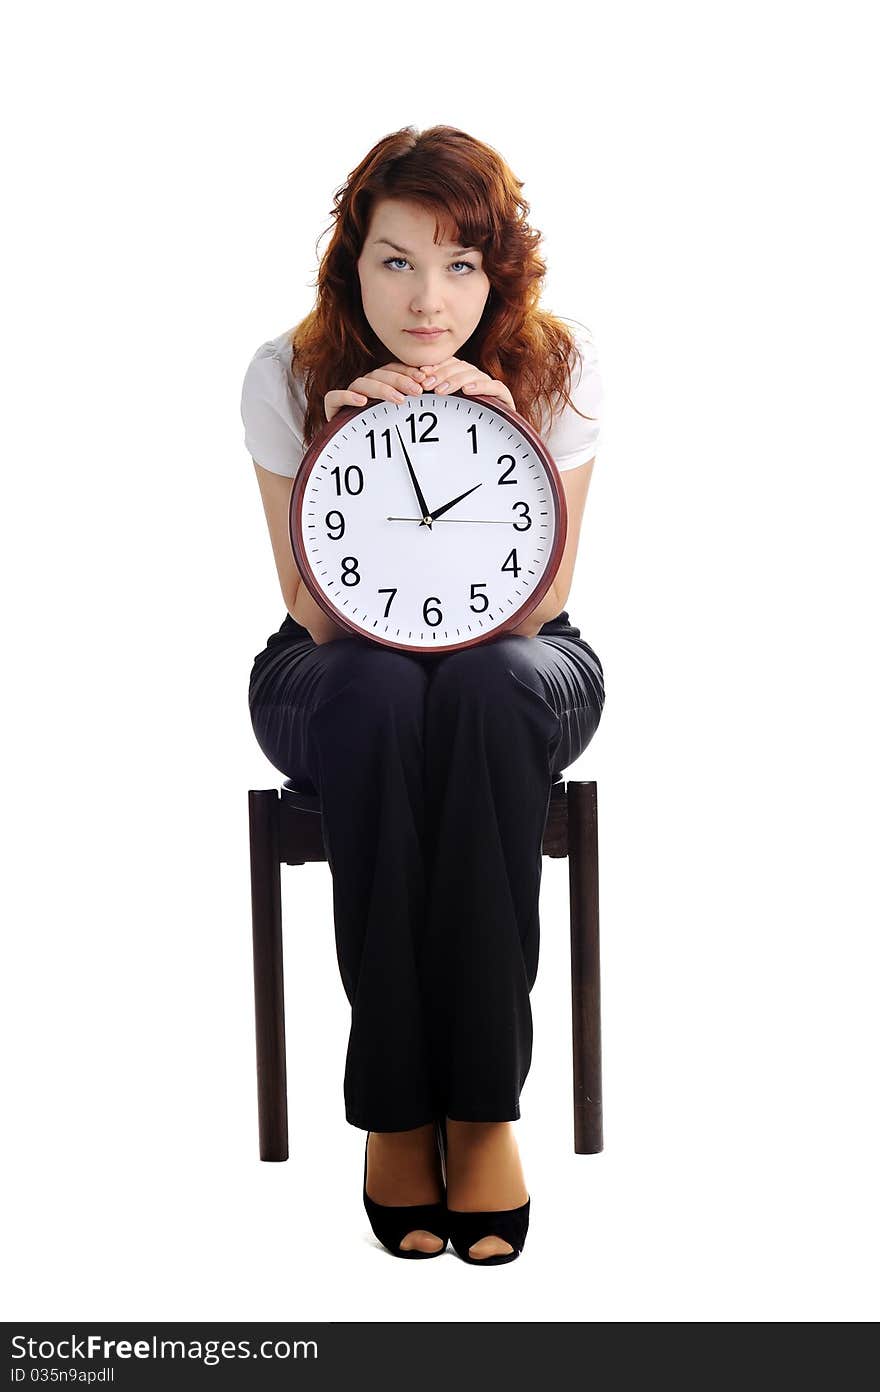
point(483, 1167)
point(403, 1167)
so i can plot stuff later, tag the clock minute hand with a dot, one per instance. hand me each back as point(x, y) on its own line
point(438, 512)
point(426, 516)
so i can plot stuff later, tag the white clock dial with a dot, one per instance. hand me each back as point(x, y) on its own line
point(437, 576)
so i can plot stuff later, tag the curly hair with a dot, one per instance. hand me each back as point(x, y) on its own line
point(471, 191)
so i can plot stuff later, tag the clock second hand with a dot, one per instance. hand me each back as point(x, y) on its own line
point(493, 521)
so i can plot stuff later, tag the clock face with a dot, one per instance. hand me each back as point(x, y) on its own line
point(428, 524)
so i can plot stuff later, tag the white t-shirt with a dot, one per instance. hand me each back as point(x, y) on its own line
point(273, 408)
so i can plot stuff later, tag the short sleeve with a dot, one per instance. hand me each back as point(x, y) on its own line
point(570, 439)
point(272, 421)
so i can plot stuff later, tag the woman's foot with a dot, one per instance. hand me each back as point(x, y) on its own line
point(403, 1167)
point(483, 1173)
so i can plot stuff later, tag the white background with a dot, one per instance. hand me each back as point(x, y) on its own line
point(704, 179)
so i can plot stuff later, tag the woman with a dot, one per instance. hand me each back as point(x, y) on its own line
point(433, 770)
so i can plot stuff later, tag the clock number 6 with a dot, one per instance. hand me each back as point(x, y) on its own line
point(434, 610)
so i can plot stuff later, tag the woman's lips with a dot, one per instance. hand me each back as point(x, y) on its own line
point(425, 333)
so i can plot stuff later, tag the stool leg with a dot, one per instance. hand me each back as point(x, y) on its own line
point(583, 873)
point(268, 973)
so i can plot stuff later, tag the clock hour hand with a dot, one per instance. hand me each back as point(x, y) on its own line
point(426, 516)
point(438, 512)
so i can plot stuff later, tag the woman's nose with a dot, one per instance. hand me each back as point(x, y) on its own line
point(427, 299)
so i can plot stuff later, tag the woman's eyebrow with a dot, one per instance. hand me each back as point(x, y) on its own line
point(404, 252)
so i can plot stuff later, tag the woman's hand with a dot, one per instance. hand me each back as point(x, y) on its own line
point(454, 374)
point(391, 383)
point(397, 380)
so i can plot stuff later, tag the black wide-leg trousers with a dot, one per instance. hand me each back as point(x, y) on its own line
point(433, 773)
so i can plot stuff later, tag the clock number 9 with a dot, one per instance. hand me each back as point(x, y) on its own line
point(340, 524)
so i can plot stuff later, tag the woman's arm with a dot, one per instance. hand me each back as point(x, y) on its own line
point(548, 608)
point(310, 614)
point(275, 490)
point(576, 483)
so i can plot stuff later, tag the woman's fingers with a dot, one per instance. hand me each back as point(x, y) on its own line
point(454, 379)
point(376, 389)
point(334, 401)
point(491, 388)
point(406, 379)
point(407, 369)
point(390, 386)
point(386, 385)
point(396, 381)
point(452, 374)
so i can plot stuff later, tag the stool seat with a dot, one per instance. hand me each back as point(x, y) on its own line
point(302, 793)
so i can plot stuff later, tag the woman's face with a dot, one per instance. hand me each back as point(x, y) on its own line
point(408, 283)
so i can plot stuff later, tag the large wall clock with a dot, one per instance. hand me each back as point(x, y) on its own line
point(430, 524)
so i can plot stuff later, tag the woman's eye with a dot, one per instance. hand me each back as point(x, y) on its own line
point(389, 259)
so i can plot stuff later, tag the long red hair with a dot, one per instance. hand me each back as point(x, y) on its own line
point(476, 198)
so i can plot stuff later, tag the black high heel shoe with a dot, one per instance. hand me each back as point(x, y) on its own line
point(466, 1228)
point(392, 1222)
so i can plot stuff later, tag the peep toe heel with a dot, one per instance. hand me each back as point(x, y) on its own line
point(510, 1224)
point(391, 1222)
point(466, 1228)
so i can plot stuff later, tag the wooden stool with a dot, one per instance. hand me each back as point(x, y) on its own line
point(286, 828)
